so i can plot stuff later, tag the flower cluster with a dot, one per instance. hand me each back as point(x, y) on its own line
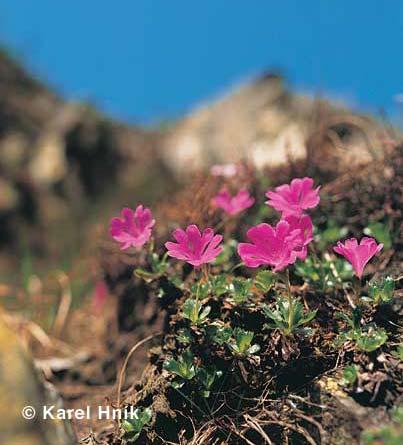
point(282, 245)
point(277, 246)
point(216, 330)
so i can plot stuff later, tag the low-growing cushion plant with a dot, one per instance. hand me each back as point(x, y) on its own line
point(261, 314)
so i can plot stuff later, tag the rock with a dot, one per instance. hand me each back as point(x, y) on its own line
point(60, 157)
point(8, 196)
point(49, 164)
point(267, 124)
point(21, 386)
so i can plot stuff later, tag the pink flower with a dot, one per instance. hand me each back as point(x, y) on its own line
point(272, 246)
point(226, 170)
point(304, 225)
point(294, 198)
point(193, 247)
point(233, 204)
point(133, 229)
point(358, 254)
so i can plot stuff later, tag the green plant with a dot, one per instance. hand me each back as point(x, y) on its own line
point(240, 343)
point(218, 334)
point(218, 285)
point(367, 338)
point(240, 291)
point(184, 336)
point(287, 317)
point(264, 281)
point(183, 367)
point(193, 310)
point(132, 427)
point(330, 235)
point(350, 374)
point(224, 258)
point(371, 339)
point(398, 353)
point(157, 265)
point(324, 274)
point(207, 377)
point(353, 321)
point(381, 233)
point(202, 290)
point(381, 291)
point(217, 317)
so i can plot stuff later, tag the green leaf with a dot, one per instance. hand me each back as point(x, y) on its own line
point(240, 344)
point(176, 281)
point(381, 233)
point(284, 320)
point(330, 235)
point(355, 321)
point(184, 336)
point(218, 285)
point(264, 281)
point(371, 340)
point(307, 318)
point(146, 415)
point(350, 374)
point(132, 427)
point(243, 339)
point(207, 377)
point(324, 274)
point(202, 288)
point(219, 334)
point(158, 268)
point(177, 384)
point(277, 317)
point(159, 265)
point(204, 314)
point(344, 269)
point(193, 311)
point(240, 290)
point(183, 367)
point(224, 258)
point(381, 291)
point(399, 352)
point(127, 426)
point(357, 317)
point(333, 234)
point(354, 330)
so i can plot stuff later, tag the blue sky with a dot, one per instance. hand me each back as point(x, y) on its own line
point(142, 60)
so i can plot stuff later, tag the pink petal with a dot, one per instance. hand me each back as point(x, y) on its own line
point(194, 247)
point(212, 251)
point(194, 240)
point(358, 254)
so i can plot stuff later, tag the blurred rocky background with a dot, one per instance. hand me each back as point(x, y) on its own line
point(64, 165)
point(60, 161)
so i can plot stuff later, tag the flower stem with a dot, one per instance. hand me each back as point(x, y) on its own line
point(205, 272)
point(197, 295)
point(357, 289)
point(290, 305)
